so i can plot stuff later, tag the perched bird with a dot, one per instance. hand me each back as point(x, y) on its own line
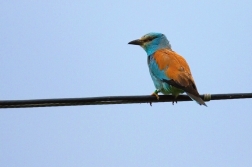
point(169, 71)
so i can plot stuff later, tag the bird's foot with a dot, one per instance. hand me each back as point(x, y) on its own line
point(155, 93)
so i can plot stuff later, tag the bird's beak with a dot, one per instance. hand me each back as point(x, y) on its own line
point(136, 42)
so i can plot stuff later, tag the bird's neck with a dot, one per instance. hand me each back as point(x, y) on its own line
point(150, 49)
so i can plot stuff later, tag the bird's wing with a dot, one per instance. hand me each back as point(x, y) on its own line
point(174, 67)
point(177, 72)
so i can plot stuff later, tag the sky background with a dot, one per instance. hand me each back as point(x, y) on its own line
point(70, 49)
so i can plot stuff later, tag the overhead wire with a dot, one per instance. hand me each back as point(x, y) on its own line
point(113, 100)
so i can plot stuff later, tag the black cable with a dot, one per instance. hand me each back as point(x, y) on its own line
point(113, 100)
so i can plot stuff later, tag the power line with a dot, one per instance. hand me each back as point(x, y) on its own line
point(113, 100)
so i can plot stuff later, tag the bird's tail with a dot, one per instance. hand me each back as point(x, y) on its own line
point(197, 99)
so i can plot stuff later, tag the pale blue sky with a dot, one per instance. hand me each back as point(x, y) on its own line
point(68, 49)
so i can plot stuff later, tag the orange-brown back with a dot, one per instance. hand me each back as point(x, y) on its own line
point(175, 66)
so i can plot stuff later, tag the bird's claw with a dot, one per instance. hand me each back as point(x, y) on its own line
point(174, 101)
point(155, 93)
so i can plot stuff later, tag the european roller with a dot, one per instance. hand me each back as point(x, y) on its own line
point(169, 71)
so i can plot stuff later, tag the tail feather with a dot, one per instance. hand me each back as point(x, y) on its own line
point(197, 99)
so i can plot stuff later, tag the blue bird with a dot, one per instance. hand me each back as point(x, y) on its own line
point(169, 71)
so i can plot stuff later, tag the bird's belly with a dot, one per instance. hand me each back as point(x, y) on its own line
point(164, 87)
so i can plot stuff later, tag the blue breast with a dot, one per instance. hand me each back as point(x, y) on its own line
point(158, 75)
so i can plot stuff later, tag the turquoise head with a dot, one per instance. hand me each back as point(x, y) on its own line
point(152, 42)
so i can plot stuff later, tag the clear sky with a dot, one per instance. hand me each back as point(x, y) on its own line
point(69, 49)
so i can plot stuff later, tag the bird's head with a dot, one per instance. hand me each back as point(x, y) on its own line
point(152, 42)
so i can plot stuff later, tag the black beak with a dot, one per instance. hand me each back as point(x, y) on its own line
point(136, 42)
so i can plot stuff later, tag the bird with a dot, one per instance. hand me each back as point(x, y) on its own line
point(169, 71)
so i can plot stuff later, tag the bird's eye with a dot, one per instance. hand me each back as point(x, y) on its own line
point(148, 39)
